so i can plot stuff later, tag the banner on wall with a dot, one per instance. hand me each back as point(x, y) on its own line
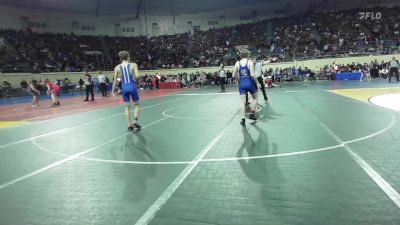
point(240, 47)
point(92, 52)
point(24, 22)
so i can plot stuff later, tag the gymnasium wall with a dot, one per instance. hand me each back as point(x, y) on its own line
point(15, 79)
point(62, 22)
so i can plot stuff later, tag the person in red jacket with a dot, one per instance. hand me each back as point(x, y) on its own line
point(54, 91)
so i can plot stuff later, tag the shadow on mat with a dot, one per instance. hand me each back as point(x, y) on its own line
point(134, 177)
point(267, 113)
point(265, 172)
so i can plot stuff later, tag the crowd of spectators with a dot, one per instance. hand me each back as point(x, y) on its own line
point(272, 75)
point(210, 47)
point(311, 35)
point(26, 51)
point(338, 33)
point(196, 79)
point(374, 69)
point(301, 37)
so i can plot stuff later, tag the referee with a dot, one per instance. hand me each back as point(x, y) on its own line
point(258, 71)
point(222, 78)
point(87, 79)
point(394, 68)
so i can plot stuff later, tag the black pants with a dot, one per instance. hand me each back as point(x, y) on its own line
point(103, 89)
point(396, 73)
point(261, 82)
point(222, 83)
point(6, 91)
point(89, 89)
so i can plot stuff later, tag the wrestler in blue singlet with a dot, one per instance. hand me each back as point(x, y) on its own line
point(128, 84)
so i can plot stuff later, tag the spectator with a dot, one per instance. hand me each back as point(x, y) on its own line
point(366, 72)
point(6, 88)
point(394, 69)
point(102, 81)
point(24, 86)
point(95, 84)
point(81, 82)
point(384, 72)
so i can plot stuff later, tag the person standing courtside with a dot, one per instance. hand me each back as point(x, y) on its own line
point(34, 91)
point(6, 88)
point(87, 79)
point(102, 81)
point(24, 86)
point(394, 69)
point(222, 78)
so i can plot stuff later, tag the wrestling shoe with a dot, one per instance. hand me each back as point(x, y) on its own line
point(136, 126)
point(253, 117)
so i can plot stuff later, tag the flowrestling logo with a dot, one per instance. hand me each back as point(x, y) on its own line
point(370, 15)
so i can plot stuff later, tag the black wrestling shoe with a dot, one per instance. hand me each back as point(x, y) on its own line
point(243, 122)
point(266, 99)
point(253, 117)
point(136, 126)
point(130, 128)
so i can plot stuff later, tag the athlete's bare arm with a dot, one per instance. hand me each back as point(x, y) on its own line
point(235, 70)
point(252, 73)
point(134, 70)
point(48, 89)
point(268, 61)
point(265, 62)
point(116, 75)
